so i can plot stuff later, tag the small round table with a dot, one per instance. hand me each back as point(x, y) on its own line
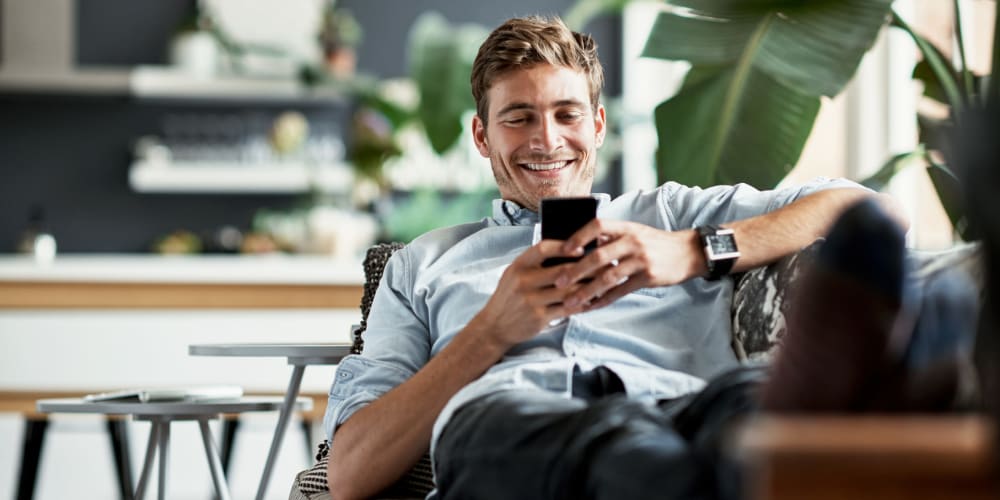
point(160, 414)
point(299, 356)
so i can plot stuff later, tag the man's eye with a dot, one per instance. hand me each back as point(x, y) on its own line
point(516, 121)
point(570, 117)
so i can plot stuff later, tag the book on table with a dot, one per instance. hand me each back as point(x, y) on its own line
point(154, 394)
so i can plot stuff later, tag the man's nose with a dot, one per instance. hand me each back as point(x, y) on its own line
point(547, 135)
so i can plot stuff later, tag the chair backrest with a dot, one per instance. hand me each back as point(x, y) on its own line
point(374, 264)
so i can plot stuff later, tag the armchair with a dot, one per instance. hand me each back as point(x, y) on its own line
point(761, 299)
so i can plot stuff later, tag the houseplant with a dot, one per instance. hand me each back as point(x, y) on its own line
point(759, 68)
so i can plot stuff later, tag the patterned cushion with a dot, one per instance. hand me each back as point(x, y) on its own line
point(761, 300)
point(764, 295)
point(415, 484)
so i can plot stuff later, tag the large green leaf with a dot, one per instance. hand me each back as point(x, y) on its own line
point(441, 64)
point(813, 46)
point(732, 124)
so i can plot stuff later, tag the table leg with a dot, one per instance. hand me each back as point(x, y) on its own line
point(164, 455)
point(279, 433)
point(214, 463)
point(147, 463)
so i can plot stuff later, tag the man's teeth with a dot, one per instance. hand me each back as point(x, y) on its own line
point(546, 166)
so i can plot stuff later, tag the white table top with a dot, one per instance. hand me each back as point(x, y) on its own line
point(332, 352)
point(149, 268)
point(167, 408)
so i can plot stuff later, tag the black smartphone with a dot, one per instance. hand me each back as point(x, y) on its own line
point(561, 217)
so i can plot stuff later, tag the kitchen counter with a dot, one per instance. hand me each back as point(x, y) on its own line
point(154, 281)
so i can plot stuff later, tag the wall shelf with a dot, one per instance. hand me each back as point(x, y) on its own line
point(232, 178)
point(161, 82)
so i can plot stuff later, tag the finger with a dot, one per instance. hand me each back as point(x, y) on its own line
point(612, 295)
point(607, 282)
point(534, 256)
point(610, 255)
point(597, 229)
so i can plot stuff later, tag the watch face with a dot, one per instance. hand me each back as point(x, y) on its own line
point(721, 246)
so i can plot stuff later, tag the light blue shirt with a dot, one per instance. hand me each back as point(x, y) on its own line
point(662, 342)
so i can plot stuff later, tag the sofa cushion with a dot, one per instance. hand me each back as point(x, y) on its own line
point(764, 295)
point(760, 302)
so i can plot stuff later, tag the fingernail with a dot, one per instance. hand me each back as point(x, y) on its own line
point(562, 281)
point(571, 302)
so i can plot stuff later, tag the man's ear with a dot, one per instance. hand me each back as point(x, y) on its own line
point(600, 126)
point(479, 136)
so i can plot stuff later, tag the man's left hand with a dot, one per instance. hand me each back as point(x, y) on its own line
point(629, 256)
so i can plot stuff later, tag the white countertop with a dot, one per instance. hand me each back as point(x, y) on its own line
point(142, 268)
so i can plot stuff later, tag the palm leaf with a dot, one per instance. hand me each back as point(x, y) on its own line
point(813, 46)
point(730, 125)
point(441, 63)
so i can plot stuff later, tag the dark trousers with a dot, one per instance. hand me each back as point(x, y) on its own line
point(528, 444)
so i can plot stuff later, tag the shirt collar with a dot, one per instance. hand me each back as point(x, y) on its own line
point(509, 213)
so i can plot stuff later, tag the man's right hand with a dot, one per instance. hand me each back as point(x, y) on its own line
point(526, 299)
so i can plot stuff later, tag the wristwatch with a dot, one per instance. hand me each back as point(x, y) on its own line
point(720, 250)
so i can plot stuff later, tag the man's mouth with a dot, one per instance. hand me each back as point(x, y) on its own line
point(546, 166)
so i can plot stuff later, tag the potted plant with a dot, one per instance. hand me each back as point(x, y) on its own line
point(758, 71)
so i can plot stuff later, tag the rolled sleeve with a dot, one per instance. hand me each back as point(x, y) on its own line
point(358, 382)
point(397, 344)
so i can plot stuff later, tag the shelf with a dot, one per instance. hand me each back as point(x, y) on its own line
point(281, 178)
point(161, 82)
point(89, 81)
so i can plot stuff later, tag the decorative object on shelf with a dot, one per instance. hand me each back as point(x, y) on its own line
point(179, 242)
point(36, 240)
point(289, 132)
point(340, 36)
point(318, 230)
point(194, 50)
point(373, 142)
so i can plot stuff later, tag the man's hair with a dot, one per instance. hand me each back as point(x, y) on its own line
point(524, 42)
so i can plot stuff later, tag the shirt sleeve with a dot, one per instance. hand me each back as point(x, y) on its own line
point(688, 207)
point(397, 344)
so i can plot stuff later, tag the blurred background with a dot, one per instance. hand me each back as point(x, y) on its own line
point(272, 142)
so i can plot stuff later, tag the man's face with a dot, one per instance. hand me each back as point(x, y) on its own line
point(543, 134)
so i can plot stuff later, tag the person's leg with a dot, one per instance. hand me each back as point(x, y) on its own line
point(864, 335)
point(526, 445)
point(531, 445)
point(839, 328)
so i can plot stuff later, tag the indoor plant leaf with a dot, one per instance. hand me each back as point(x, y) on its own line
point(441, 64)
point(949, 191)
point(881, 178)
point(811, 46)
point(726, 126)
point(583, 11)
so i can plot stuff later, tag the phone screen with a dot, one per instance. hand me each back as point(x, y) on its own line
point(561, 217)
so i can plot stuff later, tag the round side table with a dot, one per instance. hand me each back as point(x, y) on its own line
point(160, 414)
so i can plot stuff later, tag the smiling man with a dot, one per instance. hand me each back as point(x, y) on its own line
point(627, 396)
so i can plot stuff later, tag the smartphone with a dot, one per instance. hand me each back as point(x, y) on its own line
point(561, 217)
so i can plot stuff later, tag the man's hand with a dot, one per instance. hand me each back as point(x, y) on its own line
point(526, 298)
point(629, 256)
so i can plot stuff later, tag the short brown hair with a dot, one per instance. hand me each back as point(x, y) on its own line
point(523, 42)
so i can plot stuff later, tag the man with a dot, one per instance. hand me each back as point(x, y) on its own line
point(466, 352)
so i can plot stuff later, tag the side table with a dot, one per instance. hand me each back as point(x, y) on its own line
point(160, 414)
point(299, 356)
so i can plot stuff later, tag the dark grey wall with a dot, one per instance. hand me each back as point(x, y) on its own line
point(70, 154)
